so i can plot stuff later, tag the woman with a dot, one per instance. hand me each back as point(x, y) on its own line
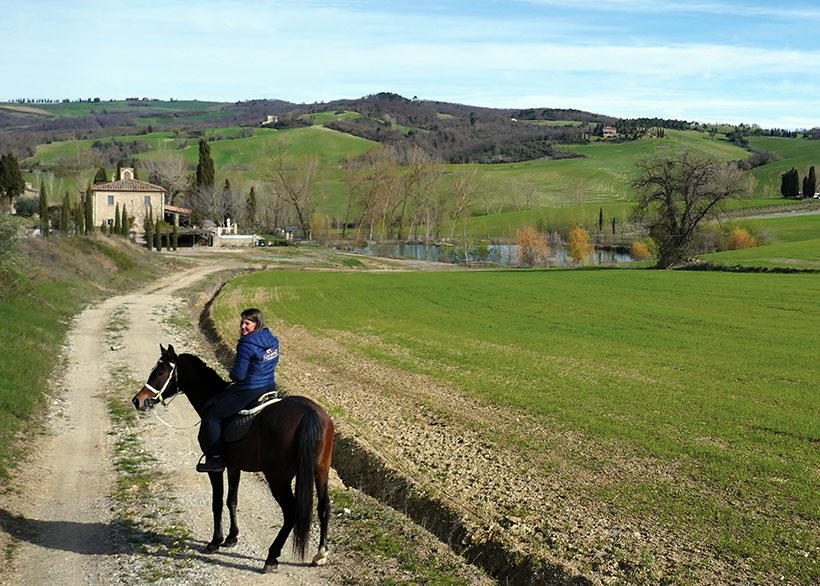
point(257, 354)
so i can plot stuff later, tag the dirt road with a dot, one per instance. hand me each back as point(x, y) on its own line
point(61, 516)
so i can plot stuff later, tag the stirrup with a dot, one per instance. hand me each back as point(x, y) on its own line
point(212, 464)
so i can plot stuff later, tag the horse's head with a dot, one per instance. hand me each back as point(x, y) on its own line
point(162, 382)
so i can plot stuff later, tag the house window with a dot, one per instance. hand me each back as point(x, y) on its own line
point(147, 200)
point(110, 200)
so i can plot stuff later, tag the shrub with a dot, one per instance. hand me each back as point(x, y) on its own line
point(740, 239)
point(579, 244)
point(639, 251)
point(533, 247)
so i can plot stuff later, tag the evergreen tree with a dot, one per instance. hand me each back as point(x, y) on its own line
point(65, 220)
point(120, 165)
point(251, 209)
point(117, 225)
point(810, 185)
point(89, 212)
point(613, 226)
point(600, 219)
point(124, 224)
point(100, 177)
point(103, 228)
point(205, 174)
point(148, 226)
point(790, 183)
point(175, 237)
point(12, 183)
point(79, 217)
point(44, 219)
point(157, 237)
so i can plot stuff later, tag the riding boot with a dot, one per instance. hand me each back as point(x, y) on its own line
point(211, 464)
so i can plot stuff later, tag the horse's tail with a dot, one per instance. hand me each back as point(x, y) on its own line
point(308, 437)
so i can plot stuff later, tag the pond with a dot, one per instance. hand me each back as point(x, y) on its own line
point(501, 254)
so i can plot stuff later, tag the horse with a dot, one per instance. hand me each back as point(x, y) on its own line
point(290, 438)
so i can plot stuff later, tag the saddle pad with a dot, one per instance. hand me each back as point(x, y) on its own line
point(238, 425)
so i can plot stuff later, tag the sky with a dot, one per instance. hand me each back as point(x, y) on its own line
point(717, 61)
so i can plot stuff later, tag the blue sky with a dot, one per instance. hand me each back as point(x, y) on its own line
point(712, 60)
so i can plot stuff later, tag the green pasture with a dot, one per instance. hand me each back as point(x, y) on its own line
point(797, 153)
point(323, 117)
point(89, 108)
point(709, 375)
point(803, 254)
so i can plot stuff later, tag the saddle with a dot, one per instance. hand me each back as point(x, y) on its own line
point(238, 425)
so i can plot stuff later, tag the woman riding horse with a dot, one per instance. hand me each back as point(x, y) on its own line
point(257, 353)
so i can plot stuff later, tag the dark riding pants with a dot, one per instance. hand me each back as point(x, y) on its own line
point(224, 406)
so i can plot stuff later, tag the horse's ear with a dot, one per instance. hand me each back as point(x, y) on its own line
point(161, 350)
point(171, 350)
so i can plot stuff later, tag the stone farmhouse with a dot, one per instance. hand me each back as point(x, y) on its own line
point(140, 198)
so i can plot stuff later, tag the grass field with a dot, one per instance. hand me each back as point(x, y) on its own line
point(710, 374)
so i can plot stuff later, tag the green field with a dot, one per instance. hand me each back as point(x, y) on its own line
point(711, 374)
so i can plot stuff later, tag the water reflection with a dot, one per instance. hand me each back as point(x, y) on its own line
point(500, 254)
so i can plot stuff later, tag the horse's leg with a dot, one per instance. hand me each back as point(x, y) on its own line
point(218, 491)
point(323, 508)
point(280, 488)
point(233, 497)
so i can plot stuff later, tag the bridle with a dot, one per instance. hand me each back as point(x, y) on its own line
point(158, 393)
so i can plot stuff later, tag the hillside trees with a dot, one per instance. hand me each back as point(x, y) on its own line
point(676, 193)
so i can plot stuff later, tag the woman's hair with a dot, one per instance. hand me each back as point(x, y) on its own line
point(255, 316)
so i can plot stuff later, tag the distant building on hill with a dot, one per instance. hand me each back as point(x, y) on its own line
point(610, 132)
point(140, 198)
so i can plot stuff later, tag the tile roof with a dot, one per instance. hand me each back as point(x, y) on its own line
point(126, 185)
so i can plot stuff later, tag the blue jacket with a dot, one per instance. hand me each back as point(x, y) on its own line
point(256, 357)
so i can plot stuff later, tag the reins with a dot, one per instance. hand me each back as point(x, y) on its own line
point(158, 395)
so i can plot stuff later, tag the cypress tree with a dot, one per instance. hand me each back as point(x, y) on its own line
point(157, 237)
point(811, 183)
point(44, 219)
point(250, 208)
point(65, 220)
point(120, 165)
point(103, 228)
point(117, 225)
point(12, 183)
point(205, 175)
point(100, 177)
point(124, 227)
point(600, 219)
point(79, 217)
point(613, 226)
point(176, 237)
point(148, 226)
point(89, 212)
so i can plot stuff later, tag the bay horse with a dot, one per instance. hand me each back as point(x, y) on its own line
point(289, 438)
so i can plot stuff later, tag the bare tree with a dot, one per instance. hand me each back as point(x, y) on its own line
point(675, 194)
point(466, 192)
point(170, 170)
point(212, 203)
point(293, 183)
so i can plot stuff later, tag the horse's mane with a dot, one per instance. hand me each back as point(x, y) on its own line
point(209, 375)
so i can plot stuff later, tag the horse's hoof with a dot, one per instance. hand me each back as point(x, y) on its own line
point(230, 542)
point(321, 558)
point(211, 547)
point(270, 568)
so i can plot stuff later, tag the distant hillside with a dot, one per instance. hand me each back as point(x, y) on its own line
point(457, 133)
